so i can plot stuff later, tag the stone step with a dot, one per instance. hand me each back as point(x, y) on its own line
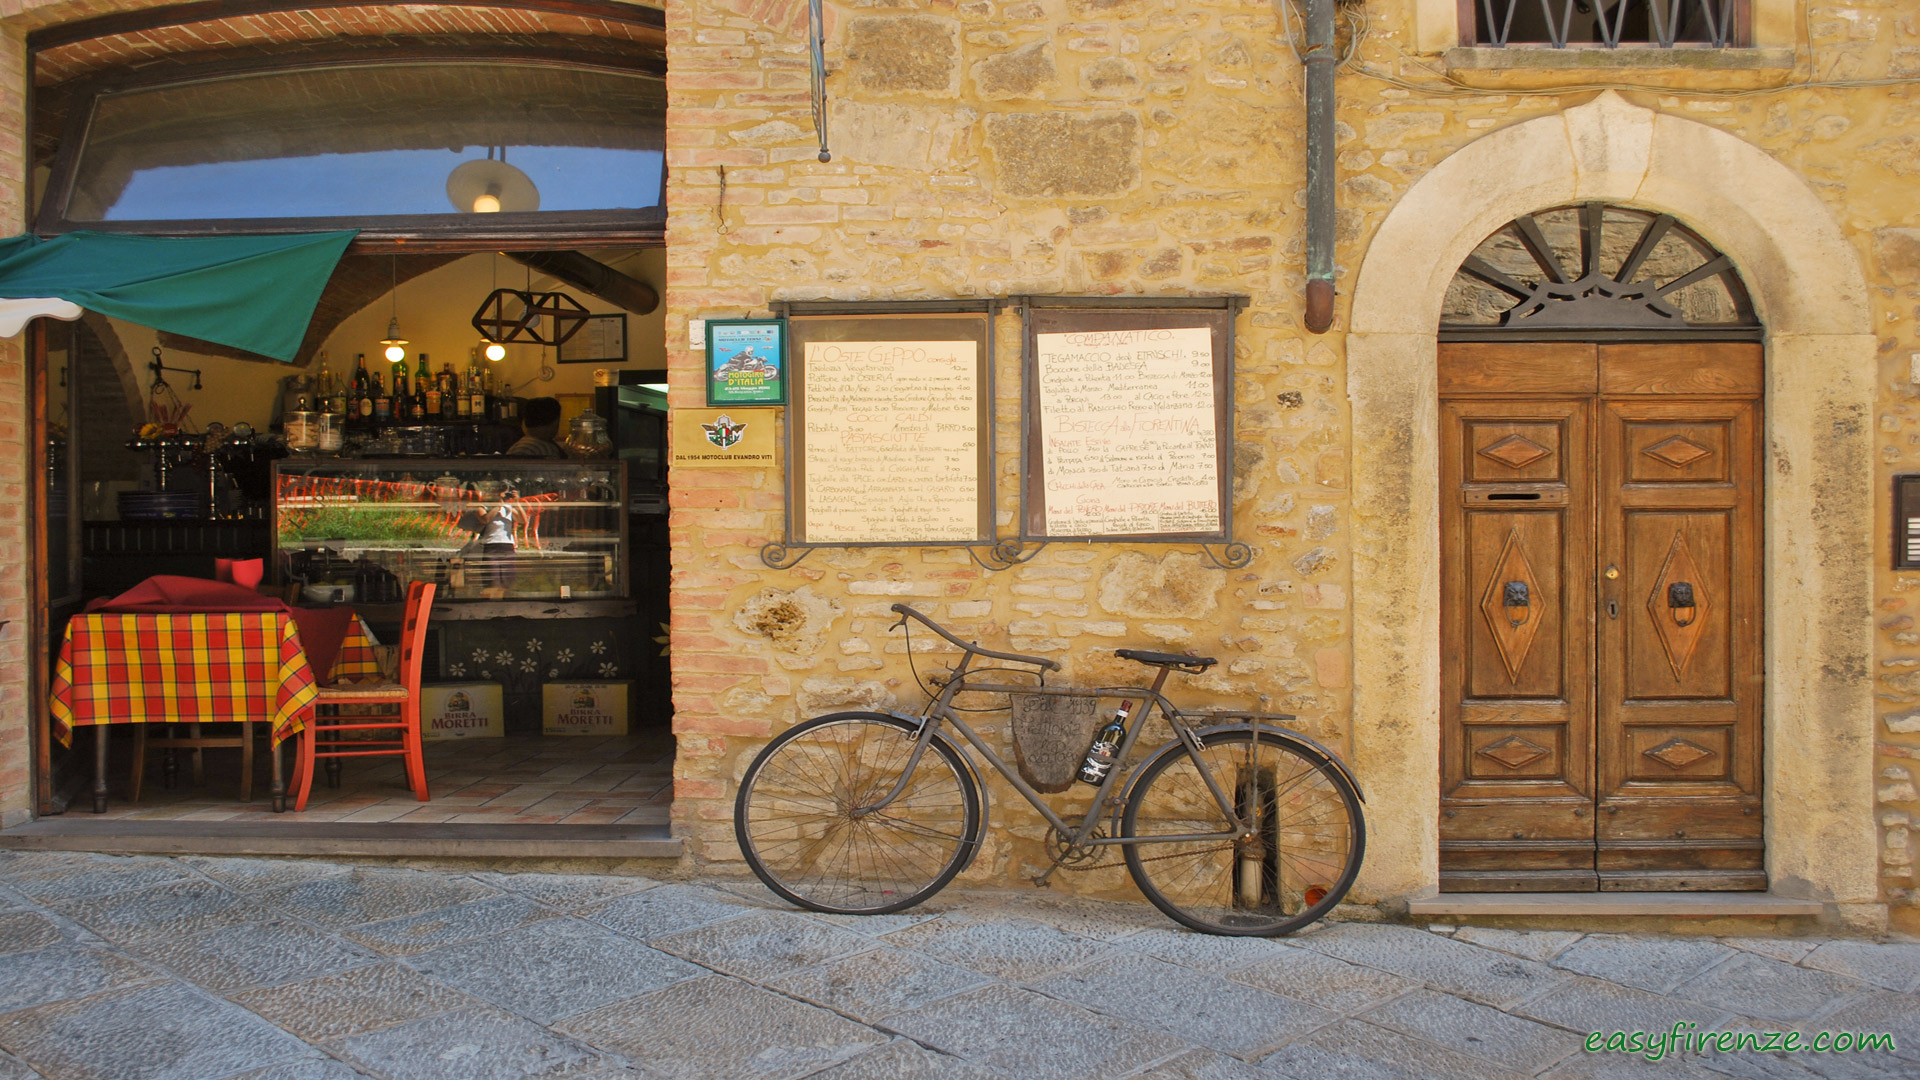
point(1710, 904)
point(72, 832)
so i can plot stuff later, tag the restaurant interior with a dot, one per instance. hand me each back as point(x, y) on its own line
point(498, 209)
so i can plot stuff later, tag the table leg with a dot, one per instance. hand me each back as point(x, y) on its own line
point(100, 768)
point(279, 788)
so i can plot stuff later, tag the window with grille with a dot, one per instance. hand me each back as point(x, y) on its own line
point(1609, 24)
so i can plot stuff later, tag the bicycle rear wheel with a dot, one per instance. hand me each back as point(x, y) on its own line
point(1309, 836)
point(799, 824)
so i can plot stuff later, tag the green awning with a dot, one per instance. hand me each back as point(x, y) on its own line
point(250, 292)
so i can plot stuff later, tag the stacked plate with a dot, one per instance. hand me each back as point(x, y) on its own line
point(160, 505)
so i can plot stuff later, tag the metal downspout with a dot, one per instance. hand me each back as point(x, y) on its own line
point(1319, 61)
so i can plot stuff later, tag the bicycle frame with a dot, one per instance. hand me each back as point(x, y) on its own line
point(941, 709)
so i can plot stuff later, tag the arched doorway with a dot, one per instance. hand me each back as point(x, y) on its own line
point(1601, 384)
point(1808, 289)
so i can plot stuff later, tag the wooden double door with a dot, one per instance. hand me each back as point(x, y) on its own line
point(1601, 617)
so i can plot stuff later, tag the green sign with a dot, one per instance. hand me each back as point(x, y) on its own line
point(746, 362)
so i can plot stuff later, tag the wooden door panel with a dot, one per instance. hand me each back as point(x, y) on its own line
point(1676, 605)
point(1493, 369)
point(1677, 715)
point(1517, 736)
point(1707, 369)
point(1515, 632)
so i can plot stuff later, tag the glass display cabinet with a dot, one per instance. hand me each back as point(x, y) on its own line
point(480, 529)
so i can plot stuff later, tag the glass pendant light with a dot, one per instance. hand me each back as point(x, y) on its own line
point(396, 346)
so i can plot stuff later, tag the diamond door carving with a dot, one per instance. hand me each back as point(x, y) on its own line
point(1514, 752)
point(1514, 451)
point(1676, 451)
point(1514, 638)
point(1678, 753)
point(1678, 640)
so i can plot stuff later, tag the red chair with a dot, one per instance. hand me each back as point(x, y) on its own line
point(403, 719)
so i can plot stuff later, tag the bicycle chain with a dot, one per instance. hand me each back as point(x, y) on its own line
point(1146, 858)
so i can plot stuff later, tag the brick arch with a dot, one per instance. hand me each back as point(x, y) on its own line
point(1809, 290)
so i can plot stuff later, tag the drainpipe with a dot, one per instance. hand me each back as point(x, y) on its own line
point(1319, 61)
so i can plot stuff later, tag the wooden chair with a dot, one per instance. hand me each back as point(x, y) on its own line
point(195, 742)
point(403, 719)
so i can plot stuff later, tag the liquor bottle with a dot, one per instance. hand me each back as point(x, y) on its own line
point(1106, 747)
point(360, 403)
point(429, 394)
point(463, 408)
point(382, 404)
point(449, 394)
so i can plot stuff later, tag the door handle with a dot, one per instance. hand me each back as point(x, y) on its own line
point(1611, 573)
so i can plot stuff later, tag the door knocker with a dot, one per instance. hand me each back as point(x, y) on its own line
point(1514, 596)
point(1680, 603)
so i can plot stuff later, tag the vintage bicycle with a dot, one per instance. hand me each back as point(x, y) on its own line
point(1236, 825)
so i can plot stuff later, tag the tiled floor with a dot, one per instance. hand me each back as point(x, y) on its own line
point(518, 780)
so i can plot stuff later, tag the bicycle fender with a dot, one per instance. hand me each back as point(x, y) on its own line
point(1202, 733)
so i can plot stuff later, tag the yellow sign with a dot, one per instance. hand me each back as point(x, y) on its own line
point(724, 438)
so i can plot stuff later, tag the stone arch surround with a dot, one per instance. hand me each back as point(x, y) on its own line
point(1809, 290)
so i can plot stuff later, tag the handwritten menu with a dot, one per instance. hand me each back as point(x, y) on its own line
point(1127, 432)
point(891, 441)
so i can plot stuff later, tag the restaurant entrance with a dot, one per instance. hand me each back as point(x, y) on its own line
point(477, 404)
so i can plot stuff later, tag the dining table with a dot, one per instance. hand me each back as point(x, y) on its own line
point(203, 667)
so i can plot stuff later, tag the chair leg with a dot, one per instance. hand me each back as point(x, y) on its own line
point(139, 762)
point(246, 761)
point(304, 770)
point(199, 756)
point(416, 753)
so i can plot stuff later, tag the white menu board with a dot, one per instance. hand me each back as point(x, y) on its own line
point(1128, 431)
point(891, 444)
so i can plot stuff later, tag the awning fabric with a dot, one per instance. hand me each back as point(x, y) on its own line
point(250, 292)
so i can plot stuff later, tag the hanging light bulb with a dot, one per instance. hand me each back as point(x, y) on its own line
point(396, 345)
point(494, 351)
point(488, 201)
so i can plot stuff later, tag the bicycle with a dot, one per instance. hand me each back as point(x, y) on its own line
point(1235, 826)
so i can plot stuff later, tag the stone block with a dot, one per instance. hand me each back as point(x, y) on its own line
point(1033, 1037)
point(1583, 1004)
point(353, 1002)
point(718, 1029)
point(473, 1044)
point(1768, 989)
point(1475, 1029)
point(364, 896)
point(901, 1059)
point(1650, 963)
point(1024, 72)
point(904, 54)
point(1305, 975)
point(64, 971)
point(1890, 964)
point(1202, 1009)
point(553, 969)
point(878, 983)
point(1897, 251)
point(1351, 1048)
point(1175, 585)
point(1010, 949)
point(163, 1032)
point(1492, 978)
point(164, 911)
point(411, 934)
point(71, 876)
point(1054, 154)
point(763, 946)
point(253, 954)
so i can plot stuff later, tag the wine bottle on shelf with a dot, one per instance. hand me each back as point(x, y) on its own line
point(429, 393)
point(449, 393)
point(382, 404)
point(360, 401)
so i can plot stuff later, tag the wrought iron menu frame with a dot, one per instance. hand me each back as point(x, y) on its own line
point(1066, 314)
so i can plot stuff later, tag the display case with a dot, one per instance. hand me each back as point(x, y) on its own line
point(500, 529)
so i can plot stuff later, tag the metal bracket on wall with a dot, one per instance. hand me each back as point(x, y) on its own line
point(1237, 555)
point(780, 556)
point(1006, 554)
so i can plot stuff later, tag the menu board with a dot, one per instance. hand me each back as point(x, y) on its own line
point(1129, 422)
point(890, 434)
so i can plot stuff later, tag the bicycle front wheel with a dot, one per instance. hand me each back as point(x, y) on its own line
point(805, 821)
point(1307, 843)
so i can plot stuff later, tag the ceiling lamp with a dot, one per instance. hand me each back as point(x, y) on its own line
point(492, 350)
point(396, 346)
point(487, 186)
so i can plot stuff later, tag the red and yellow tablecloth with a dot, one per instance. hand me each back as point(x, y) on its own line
point(211, 667)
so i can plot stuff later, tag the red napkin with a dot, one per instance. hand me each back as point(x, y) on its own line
point(321, 632)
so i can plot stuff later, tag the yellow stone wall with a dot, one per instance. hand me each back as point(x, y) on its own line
point(1173, 165)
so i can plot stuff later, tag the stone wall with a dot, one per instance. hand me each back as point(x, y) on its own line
point(1141, 147)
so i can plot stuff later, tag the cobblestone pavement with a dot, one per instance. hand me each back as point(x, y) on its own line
point(201, 969)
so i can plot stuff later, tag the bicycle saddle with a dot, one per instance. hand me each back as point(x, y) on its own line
point(1166, 659)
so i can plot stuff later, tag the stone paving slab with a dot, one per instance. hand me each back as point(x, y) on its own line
point(275, 969)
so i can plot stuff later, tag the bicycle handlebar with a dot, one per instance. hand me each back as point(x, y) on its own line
point(905, 612)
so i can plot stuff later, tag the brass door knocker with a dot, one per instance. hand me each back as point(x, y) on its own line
point(1514, 596)
point(1680, 603)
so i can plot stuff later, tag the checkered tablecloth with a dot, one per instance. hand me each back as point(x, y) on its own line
point(228, 666)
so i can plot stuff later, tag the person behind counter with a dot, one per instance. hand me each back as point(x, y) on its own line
point(539, 422)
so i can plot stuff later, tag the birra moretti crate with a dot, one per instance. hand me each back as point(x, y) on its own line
point(585, 708)
point(470, 710)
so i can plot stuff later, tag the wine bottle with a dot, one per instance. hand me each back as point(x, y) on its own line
point(429, 393)
point(1105, 748)
point(382, 404)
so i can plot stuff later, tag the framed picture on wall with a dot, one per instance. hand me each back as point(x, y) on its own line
point(746, 362)
point(602, 340)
